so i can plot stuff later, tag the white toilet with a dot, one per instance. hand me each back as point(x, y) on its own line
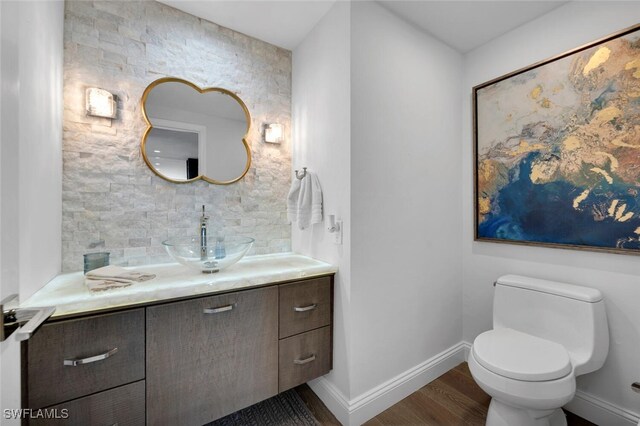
point(544, 335)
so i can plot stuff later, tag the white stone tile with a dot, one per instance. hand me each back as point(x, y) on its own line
point(122, 47)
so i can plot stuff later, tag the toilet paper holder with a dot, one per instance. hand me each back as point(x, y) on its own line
point(23, 321)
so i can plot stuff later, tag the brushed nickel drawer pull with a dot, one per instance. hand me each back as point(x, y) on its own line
point(305, 308)
point(89, 360)
point(219, 309)
point(304, 361)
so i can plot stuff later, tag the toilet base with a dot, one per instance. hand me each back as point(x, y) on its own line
point(501, 414)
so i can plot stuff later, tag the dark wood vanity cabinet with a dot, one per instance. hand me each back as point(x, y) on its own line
point(87, 370)
point(185, 362)
point(122, 406)
point(305, 346)
point(209, 357)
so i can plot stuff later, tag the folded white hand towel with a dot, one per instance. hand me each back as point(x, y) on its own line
point(118, 274)
point(309, 201)
point(316, 200)
point(292, 200)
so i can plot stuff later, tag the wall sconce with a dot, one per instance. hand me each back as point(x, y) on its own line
point(273, 133)
point(100, 103)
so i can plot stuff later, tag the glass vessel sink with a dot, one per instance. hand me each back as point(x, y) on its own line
point(216, 254)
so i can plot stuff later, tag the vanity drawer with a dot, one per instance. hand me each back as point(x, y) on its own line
point(122, 406)
point(305, 306)
point(304, 357)
point(70, 359)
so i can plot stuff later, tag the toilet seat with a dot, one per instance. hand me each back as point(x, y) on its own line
point(520, 356)
point(543, 395)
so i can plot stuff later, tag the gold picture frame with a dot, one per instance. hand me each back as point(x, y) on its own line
point(587, 196)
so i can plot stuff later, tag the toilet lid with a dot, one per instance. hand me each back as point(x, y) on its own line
point(521, 356)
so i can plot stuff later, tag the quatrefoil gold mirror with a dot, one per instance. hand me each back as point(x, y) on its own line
point(195, 133)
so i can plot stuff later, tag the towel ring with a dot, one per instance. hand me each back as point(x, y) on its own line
point(301, 175)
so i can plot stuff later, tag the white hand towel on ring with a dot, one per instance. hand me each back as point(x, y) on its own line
point(292, 201)
point(309, 201)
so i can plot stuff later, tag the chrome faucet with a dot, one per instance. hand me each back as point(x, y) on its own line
point(203, 235)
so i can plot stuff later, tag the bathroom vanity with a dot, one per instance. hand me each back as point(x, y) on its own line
point(222, 342)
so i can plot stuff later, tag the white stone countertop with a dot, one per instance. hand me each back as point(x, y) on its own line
point(70, 296)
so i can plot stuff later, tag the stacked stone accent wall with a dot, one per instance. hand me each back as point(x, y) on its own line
point(111, 200)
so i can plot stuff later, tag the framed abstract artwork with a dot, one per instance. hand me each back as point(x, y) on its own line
point(557, 150)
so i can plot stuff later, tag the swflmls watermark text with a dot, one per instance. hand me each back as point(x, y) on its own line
point(43, 413)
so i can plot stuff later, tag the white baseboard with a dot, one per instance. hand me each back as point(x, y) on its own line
point(366, 406)
point(601, 412)
point(362, 408)
point(466, 347)
point(331, 396)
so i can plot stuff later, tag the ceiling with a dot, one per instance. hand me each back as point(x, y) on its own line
point(283, 23)
point(463, 25)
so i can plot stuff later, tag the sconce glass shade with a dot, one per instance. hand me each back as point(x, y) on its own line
point(273, 133)
point(100, 103)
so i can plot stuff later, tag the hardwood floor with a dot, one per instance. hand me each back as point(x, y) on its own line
point(315, 405)
point(452, 399)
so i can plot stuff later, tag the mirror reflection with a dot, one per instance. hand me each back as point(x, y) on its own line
point(195, 133)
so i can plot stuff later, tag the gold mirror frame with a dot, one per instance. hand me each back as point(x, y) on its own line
point(200, 90)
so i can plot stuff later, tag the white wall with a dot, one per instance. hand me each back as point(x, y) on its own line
point(376, 112)
point(40, 126)
point(31, 160)
point(405, 205)
point(3, 291)
point(9, 135)
point(321, 141)
point(617, 276)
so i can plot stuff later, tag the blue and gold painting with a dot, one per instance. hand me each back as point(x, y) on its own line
point(558, 150)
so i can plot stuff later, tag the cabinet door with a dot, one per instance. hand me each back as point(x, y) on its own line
point(209, 357)
point(74, 358)
point(122, 406)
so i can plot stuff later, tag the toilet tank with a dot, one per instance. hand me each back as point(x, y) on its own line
point(571, 315)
